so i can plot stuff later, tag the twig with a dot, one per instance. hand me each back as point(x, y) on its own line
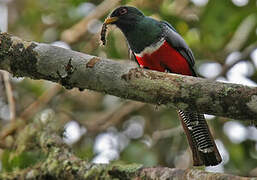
point(92, 44)
point(9, 94)
point(31, 110)
point(112, 117)
point(241, 34)
point(161, 134)
point(40, 102)
point(10, 128)
point(73, 34)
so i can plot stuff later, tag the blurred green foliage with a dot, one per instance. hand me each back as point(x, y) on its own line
point(10, 161)
point(138, 152)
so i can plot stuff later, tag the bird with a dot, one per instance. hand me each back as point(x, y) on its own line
point(156, 45)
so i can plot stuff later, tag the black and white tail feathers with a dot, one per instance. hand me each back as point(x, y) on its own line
point(202, 144)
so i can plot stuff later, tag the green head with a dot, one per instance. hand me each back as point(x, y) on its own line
point(140, 30)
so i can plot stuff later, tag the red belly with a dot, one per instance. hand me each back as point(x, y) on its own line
point(165, 58)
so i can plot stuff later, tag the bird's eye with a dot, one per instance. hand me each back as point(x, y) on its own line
point(123, 11)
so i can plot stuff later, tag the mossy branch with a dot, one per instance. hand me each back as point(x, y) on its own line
point(61, 163)
point(73, 69)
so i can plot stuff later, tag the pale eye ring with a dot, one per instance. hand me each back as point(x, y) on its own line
point(123, 11)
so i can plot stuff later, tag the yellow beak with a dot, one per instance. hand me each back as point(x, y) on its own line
point(110, 20)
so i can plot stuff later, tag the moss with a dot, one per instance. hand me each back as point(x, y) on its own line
point(147, 89)
point(125, 172)
point(232, 109)
point(184, 93)
point(203, 100)
point(228, 90)
point(5, 44)
point(52, 165)
point(130, 168)
point(21, 57)
point(218, 107)
point(93, 172)
point(195, 91)
point(32, 174)
point(75, 168)
point(23, 60)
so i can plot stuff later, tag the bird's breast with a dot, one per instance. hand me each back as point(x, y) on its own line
point(161, 56)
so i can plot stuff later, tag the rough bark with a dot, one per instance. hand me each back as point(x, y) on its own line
point(61, 163)
point(125, 80)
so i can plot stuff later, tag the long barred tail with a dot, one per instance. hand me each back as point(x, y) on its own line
point(202, 144)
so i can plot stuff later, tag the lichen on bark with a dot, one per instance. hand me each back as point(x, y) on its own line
point(77, 70)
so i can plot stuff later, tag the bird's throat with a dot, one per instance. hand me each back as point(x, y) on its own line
point(145, 33)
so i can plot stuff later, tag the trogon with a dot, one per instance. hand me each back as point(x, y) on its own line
point(156, 45)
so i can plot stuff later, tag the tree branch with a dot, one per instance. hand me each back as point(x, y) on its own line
point(125, 80)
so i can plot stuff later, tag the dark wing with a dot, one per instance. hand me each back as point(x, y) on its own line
point(178, 43)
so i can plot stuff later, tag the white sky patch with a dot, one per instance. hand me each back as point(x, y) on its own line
point(223, 151)
point(100, 159)
point(200, 2)
point(252, 133)
point(222, 79)
point(134, 131)
point(244, 68)
point(134, 127)
point(107, 147)
point(110, 101)
point(5, 112)
point(48, 19)
point(235, 131)
point(81, 11)
point(17, 79)
point(242, 80)
point(209, 117)
point(225, 158)
point(240, 2)
point(239, 72)
point(72, 132)
point(84, 9)
point(106, 156)
point(106, 141)
point(210, 69)
point(94, 26)
point(232, 57)
point(4, 16)
point(123, 141)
